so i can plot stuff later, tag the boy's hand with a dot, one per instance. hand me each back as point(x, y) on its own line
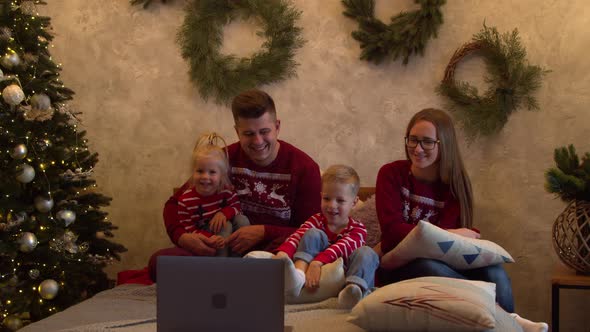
point(312, 276)
point(216, 224)
point(280, 255)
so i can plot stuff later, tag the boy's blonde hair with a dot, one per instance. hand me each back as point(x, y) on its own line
point(208, 146)
point(342, 174)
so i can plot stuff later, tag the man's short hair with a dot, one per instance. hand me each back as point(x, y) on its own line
point(252, 104)
point(342, 174)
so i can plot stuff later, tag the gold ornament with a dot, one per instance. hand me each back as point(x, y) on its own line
point(28, 242)
point(19, 152)
point(48, 289)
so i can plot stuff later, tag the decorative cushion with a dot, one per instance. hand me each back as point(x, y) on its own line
point(429, 241)
point(332, 281)
point(366, 213)
point(428, 304)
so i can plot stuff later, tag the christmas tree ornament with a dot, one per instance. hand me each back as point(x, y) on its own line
point(5, 33)
point(13, 95)
point(71, 247)
point(83, 247)
point(67, 216)
point(1, 74)
point(19, 152)
point(34, 274)
point(10, 60)
point(25, 173)
point(100, 235)
point(12, 323)
point(28, 241)
point(40, 101)
point(48, 289)
point(43, 203)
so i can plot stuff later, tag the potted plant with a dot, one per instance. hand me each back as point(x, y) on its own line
point(570, 180)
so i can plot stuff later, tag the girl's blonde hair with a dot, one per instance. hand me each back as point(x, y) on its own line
point(209, 146)
point(451, 169)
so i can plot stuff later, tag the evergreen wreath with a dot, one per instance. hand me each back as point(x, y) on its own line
point(224, 76)
point(512, 82)
point(407, 33)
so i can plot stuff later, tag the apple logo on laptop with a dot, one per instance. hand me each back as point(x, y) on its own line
point(219, 301)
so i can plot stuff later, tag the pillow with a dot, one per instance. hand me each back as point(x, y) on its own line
point(332, 280)
point(429, 241)
point(428, 304)
point(366, 213)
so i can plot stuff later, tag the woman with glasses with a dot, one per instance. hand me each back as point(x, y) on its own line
point(431, 185)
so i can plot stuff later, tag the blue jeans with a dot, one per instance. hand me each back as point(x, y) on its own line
point(231, 226)
point(361, 264)
point(424, 267)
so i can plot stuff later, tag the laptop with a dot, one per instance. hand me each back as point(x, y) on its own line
point(220, 294)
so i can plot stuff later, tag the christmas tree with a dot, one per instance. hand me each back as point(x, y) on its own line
point(54, 238)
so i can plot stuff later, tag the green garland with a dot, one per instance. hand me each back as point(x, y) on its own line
point(407, 33)
point(224, 76)
point(511, 80)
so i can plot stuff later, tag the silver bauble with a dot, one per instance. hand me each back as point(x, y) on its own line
point(13, 95)
point(48, 289)
point(12, 323)
point(40, 101)
point(28, 241)
point(34, 274)
point(67, 216)
point(19, 152)
point(43, 204)
point(10, 60)
point(25, 173)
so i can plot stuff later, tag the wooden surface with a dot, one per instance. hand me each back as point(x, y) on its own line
point(563, 275)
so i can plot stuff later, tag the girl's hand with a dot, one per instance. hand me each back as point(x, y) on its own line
point(312, 276)
point(465, 232)
point(216, 224)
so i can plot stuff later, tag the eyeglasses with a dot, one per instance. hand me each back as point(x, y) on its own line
point(426, 144)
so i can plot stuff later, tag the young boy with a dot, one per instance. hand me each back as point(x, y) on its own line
point(328, 235)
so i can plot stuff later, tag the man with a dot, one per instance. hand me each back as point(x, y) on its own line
point(278, 185)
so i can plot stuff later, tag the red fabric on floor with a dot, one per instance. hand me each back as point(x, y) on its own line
point(141, 277)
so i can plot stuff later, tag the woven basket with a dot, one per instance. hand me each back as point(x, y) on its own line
point(571, 236)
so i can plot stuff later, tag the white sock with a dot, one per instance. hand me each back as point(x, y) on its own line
point(530, 326)
point(349, 296)
point(294, 279)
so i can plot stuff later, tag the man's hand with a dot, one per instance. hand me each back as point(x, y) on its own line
point(217, 222)
point(194, 243)
point(215, 241)
point(312, 276)
point(465, 232)
point(245, 238)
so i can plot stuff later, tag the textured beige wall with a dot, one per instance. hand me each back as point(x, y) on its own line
point(142, 114)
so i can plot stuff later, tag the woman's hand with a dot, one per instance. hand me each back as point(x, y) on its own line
point(217, 222)
point(312, 276)
point(465, 232)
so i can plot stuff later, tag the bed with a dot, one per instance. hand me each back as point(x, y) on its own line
point(132, 307)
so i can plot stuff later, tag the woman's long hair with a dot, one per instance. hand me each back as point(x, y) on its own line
point(451, 169)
